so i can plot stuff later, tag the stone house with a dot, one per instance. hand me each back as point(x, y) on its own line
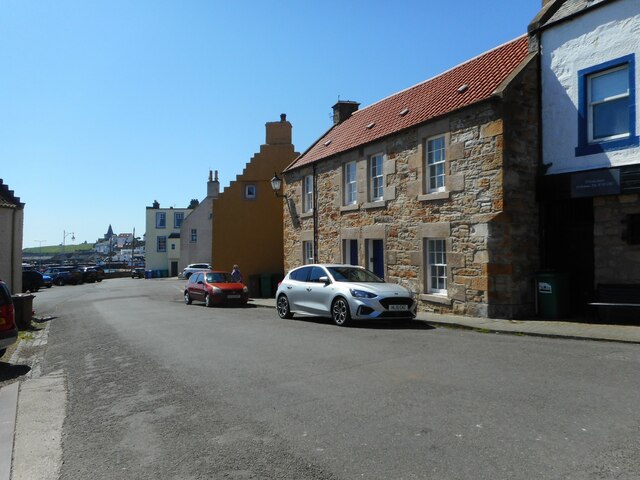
point(432, 187)
point(11, 228)
point(590, 187)
point(247, 216)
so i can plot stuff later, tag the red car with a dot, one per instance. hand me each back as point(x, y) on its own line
point(8, 328)
point(215, 288)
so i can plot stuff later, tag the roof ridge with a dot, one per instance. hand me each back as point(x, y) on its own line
point(442, 73)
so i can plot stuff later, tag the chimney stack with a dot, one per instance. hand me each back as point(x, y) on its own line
point(213, 186)
point(343, 110)
point(279, 133)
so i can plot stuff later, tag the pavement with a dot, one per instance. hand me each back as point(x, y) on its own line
point(9, 395)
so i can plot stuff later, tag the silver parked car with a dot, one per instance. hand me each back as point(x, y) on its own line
point(343, 292)
point(194, 267)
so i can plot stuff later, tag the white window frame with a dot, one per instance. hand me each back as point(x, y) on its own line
point(436, 265)
point(435, 164)
point(350, 183)
point(307, 194)
point(376, 177)
point(591, 104)
point(307, 252)
point(194, 235)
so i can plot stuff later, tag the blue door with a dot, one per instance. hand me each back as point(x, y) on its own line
point(376, 257)
point(353, 251)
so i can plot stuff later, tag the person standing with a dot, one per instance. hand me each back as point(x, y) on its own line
point(236, 274)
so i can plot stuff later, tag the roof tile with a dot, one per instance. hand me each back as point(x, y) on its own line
point(471, 82)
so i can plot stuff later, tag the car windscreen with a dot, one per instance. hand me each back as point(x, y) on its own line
point(353, 274)
point(220, 278)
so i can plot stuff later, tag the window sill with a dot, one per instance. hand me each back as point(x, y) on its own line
point(378, 204)
point(593, 148)
point(433, 298)
point(349, 208)
point(434, 196)
point(308, 214)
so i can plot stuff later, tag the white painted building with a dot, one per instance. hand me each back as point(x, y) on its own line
point(162, 238)
point(590, 165)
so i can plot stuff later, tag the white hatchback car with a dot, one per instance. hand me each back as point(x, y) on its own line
point(194, 267)
point(343, 292)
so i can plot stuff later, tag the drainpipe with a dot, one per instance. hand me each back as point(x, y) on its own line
point(315, 215)
point(13, 251)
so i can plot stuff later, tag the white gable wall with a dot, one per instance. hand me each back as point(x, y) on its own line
point(604, 34)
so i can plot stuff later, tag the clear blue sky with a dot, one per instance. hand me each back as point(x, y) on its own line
point(108, 105)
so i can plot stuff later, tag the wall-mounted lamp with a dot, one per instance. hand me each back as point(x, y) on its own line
point(276, 185)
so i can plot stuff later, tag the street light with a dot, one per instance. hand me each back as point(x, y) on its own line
point(276, 185)
point(65, 234)
point(40, 242)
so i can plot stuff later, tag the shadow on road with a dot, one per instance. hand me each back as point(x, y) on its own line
point(9, 371)
point(383, 324)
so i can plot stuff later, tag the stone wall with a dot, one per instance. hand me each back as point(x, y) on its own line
point(616, 261)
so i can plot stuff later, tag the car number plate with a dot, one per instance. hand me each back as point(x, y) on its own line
point(233, 296)
point(398, 307)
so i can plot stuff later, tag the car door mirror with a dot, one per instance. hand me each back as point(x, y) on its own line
point(324, 279)
point(200, 282)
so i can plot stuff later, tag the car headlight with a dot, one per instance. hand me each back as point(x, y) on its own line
point(362, 293)
point(216, 290)
point(245, 289)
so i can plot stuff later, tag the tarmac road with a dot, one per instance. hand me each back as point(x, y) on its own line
point(143, 386)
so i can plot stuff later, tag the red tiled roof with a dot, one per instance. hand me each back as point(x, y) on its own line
point(423, 102)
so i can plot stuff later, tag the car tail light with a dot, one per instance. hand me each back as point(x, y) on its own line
point(7, 321)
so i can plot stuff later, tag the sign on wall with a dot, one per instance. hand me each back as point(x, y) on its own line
point(595, 183)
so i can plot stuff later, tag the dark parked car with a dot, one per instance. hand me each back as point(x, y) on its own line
point(137, 272)
point(89, 274)
point(63, 275)
point(8, 328)
point(99, 273)
point(215, 288)
point(32, 281)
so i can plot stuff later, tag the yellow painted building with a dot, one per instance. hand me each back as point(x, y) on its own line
point(247, 215)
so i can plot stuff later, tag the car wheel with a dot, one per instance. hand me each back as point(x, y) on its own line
point(340, 312)
point(48, 286)
point(187, 298)
point(284, 310)
point(207, 301)
point(59, 282)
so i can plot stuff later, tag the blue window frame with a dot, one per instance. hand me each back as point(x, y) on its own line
point(178, 217)
point(161, 220)
point(607, 107)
